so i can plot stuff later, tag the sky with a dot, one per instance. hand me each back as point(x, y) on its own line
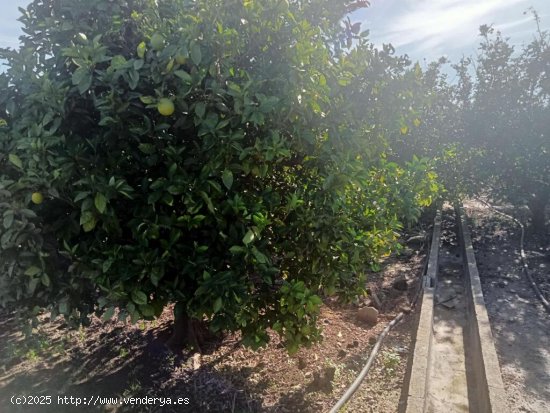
point(423, 29)
point(429, 29)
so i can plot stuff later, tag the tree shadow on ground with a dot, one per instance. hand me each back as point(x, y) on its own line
point(520, 325)
point(117, 361)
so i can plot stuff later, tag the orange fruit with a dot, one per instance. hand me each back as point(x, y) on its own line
point(165, 107)
point(37, 198)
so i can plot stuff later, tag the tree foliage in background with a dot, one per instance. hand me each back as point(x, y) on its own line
point(267, 187)
point(510, 119)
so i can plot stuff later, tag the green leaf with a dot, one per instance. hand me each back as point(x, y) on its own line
point(139, 297)
point(147, 310)
point(147, 148)
point(82, 78)
point(81, 195)
point(88, 221)
point(147, 100)
point(183, 75)
point(100, 202)
point(236, 249)
point(29, 213)
point(118, 61)
point(108, 314)
point(133, 78)
point(32, 271)
point(90, 225)
point(155, 278)
point(208, 202)
point(6, 236)
point(107, 264)
point(218, 303)
point(261, 258)
point(14, 159)
point(196, 55)
point(33, 283)
point(8, 220)
point(45, 280)
point(249, 237)
point(64, 307)
point(227, 178)
point(200, 109)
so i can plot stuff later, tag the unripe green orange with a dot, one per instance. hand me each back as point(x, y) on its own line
point(141, 49)
point(37, 198)
point(157, 42)
point(181, 59)
point(165, 107)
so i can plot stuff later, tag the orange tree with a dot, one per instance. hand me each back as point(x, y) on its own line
point(509, 115)
point(189, 152)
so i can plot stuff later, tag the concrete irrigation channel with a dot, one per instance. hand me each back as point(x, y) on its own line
point(454, 367)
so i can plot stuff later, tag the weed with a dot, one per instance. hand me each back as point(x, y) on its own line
point(32, 355)
point(81, 334)
point(340, 371)
point(134, 387)
point(390, 360)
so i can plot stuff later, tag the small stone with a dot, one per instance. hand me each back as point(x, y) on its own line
point(368, 314)
point(401, 350)
point(400, 283)
point(407, 252)
point(377, 302)
point(355, 343)
point(366, 302)
point(196, 361)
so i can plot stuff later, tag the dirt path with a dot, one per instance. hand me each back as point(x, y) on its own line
point(520, 324)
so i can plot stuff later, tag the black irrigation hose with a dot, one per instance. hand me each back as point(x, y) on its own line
point(525, 268)
point(374, 352)
point(353, 388)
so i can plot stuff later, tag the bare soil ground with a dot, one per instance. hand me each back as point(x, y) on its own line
point(113, 358)
point(520, 324)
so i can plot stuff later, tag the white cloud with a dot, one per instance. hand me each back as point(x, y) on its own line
point(434, 25)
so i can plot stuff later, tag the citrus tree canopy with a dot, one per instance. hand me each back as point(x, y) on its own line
point(203, 153)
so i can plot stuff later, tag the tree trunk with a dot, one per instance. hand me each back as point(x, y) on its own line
point(537, 206)
point(183, 334)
